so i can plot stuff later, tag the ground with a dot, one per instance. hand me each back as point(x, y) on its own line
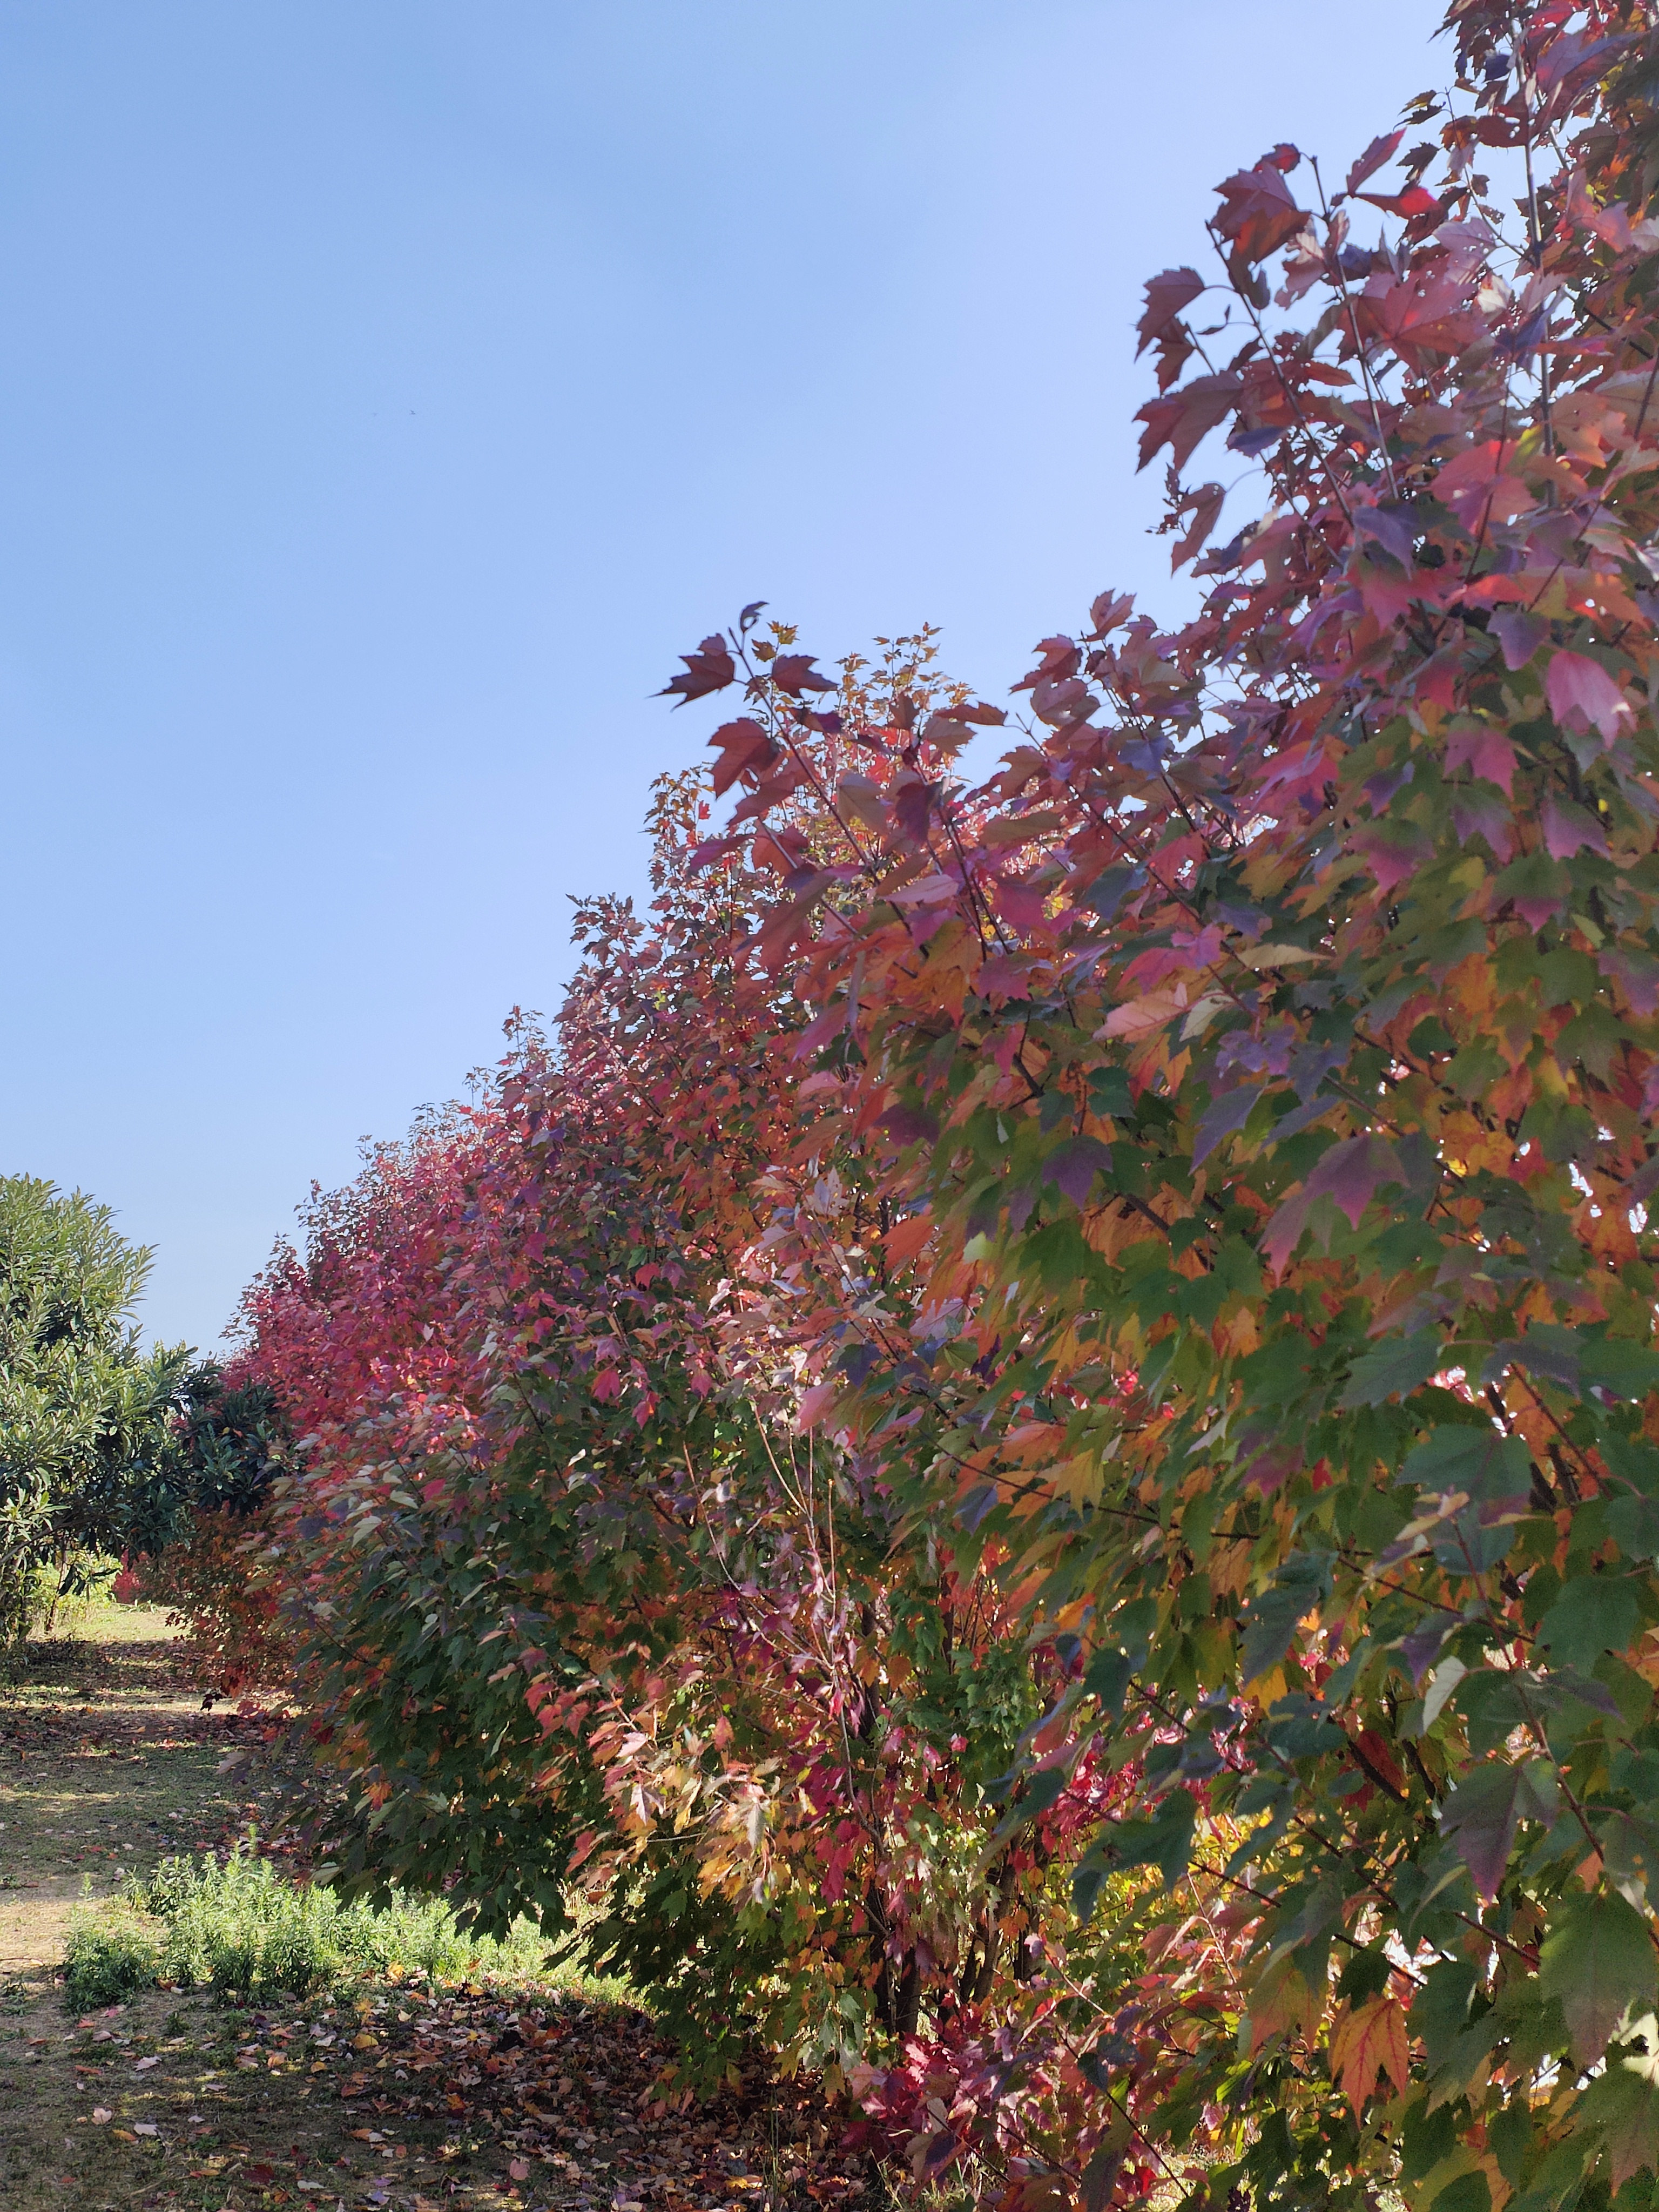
point(521, 2097)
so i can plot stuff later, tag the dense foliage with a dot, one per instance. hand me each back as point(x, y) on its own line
point(1031, 1440)
point(89, 1422)
point(185, 1515)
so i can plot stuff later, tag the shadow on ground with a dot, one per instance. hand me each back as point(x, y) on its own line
point(521, 2098)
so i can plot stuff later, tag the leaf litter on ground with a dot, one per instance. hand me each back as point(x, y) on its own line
point(388, 2094)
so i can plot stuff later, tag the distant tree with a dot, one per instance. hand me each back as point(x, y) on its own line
point(92, 1427)
point(190, 1442)
point(185, 1515)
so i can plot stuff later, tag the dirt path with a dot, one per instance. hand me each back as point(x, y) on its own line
point(107, 1761)
point(523, 2098)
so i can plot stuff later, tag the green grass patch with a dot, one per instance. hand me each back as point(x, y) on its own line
point(245, 1928)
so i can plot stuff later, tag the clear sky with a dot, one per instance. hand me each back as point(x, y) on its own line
point(389, 390)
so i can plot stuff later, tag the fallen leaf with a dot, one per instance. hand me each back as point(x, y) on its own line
point(102, 2116)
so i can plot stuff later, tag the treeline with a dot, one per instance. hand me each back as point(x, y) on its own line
point(108, 1452)
point(1028, 1440)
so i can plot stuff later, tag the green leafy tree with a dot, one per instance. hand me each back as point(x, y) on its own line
point(205, 1444)
point(88, 1419)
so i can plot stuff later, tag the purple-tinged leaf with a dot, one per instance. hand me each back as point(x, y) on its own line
point(1109, 610)
point(1182, 418)
point(744, 747)
point(1391, 526)
point(1379, 151)
point(1166, 295)
point(1636, 974)
point(1222, 1116)
point(710, 668)
point(793, 672)
point(1424, 1645)
point(1583, 696)
point(1519, 634)
point(1479, 1820)
point(1569, 829)
point(1477, 813)
point(1258, 211)
point(1073, 1166)
point(1351, 1171)
point(907, 1125)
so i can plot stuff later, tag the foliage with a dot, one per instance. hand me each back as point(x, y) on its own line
point(86, 1417)
point(227, 1443)
point(108, 1955)
point(1033, 1438)
point(242, 1927)
point(189, 1524)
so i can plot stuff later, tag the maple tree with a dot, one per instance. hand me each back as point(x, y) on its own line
point(1031, 1440)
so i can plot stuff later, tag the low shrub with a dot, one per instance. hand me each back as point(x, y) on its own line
point(109, 1955)
point(243, 1926)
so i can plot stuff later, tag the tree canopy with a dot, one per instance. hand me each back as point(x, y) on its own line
point(106, 1449)
point(1031, 1439)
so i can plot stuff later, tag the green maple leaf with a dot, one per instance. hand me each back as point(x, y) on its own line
point(1593, 1613)
point(1471, 1457)
point(1397, 1366)
point(1623, 2108)
point(1620, 1368)
point(1597, 1959)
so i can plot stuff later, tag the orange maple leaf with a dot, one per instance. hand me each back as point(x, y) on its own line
point(1367, 2042)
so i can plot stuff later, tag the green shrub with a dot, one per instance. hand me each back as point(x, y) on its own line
point(108, 1958)
point(245, 1927)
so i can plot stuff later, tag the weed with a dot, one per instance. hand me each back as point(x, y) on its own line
point(107, 1956)
point(244, 1929)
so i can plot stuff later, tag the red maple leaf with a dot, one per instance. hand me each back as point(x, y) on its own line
point(1185, 416)
point(793, 672)
point(744, 747)
point(1259, 211)
point(710, 668)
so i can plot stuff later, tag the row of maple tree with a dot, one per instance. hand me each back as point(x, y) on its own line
point(1028, 1441)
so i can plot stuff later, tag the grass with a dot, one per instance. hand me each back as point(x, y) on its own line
point(107, 1959)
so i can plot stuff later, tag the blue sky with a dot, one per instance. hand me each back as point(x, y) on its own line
point(389, 391)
